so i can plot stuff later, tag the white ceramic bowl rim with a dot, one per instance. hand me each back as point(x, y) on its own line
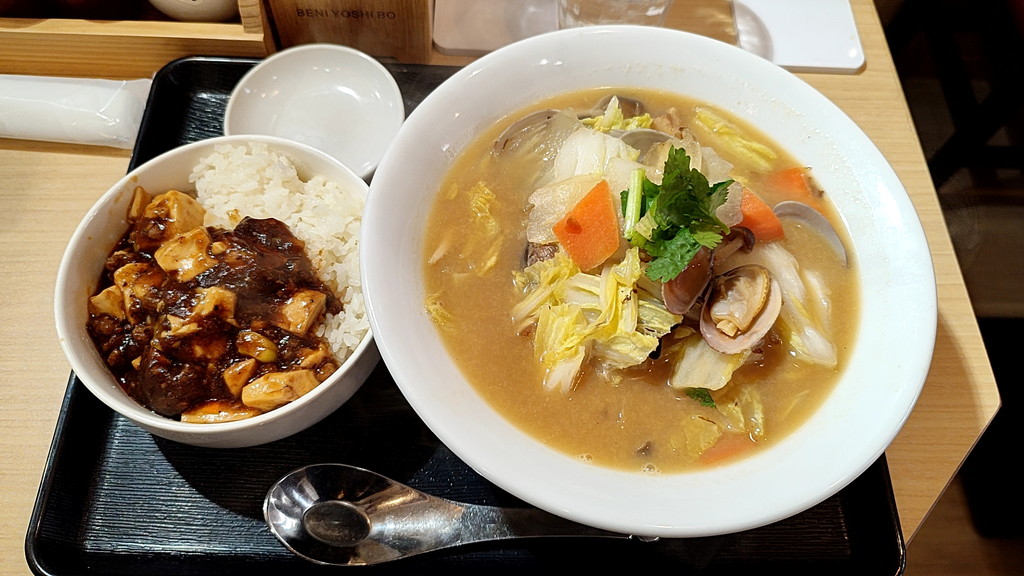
point(329, 96)
point(197, 10)
point(91, 370)
point(847, 434)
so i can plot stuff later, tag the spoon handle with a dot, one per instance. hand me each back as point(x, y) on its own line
point(484, 523)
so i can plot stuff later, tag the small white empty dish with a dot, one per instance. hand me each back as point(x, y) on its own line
point(197, 10)
point(330, 97)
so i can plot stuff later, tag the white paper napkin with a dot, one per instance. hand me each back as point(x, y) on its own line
point(72, 110)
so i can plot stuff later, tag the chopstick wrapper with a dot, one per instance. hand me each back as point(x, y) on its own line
point(72, 110)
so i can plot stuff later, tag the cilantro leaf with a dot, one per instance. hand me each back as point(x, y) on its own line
point(702, 395)
point(671, 256)
point(682, 210)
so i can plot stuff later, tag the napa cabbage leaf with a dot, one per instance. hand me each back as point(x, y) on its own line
point(576, 316)
point(698, 365)
point(727, 136)
point(613, 119)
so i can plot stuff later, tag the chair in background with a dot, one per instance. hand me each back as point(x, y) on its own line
point(991, 62)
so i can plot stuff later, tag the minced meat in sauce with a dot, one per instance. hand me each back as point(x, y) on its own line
point(208, 324)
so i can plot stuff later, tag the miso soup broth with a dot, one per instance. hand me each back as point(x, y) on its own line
point(607, 364)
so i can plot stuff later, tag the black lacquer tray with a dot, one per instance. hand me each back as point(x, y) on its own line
point(116, 500)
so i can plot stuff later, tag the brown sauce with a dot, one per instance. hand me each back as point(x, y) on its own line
point(170, 352)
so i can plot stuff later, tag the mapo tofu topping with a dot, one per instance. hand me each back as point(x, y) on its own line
point(206, 324)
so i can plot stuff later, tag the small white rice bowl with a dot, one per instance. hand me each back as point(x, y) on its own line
point(316, 196)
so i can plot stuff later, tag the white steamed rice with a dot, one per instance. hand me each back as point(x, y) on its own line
point(238, 181)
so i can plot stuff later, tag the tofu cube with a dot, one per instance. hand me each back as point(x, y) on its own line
point(238, 374)
point(110, 302)
point(300, 311)
point(215, 301)
point(276, 389)
point(185, 255)
point(139, 283)
point(177, 211)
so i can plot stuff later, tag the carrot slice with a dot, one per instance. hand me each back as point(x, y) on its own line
point(728, 447)
point(792, 184)
point(759, 218)
point(589, 233)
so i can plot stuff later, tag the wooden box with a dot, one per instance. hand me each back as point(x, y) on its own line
point(124, 49)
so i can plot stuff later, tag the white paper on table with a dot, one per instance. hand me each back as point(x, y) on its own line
point(476, 27)
point(72, 110)
point(800, 35)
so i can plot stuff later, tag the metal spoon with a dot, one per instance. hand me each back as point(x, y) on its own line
point(342, 515)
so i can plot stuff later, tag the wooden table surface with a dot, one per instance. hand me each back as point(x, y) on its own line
point(46, 188)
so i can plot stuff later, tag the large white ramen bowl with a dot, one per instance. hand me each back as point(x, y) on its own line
point(870, 403)
point(80, 271)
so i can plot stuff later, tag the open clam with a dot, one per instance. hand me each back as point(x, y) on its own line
point(642, 138)
point(741, 306)
point(813, 218)
point(630, 107)
point(532, 121)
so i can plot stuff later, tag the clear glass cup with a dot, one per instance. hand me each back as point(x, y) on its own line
point(574, 13)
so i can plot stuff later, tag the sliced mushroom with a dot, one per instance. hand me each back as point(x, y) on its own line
point(739, 239)
point(681, 292)
point(537, 252)
point(817, 221)
point(741, 306)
